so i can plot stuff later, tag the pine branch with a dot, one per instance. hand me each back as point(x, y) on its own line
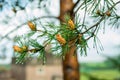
point(25, 24)
point(103, 17)
point(84, 3)
point(95, 25)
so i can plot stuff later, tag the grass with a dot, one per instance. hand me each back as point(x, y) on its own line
point(5, 67)
point(101, 71)
point(102, 74)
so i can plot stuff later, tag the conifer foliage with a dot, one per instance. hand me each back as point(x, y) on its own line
point(60, 35)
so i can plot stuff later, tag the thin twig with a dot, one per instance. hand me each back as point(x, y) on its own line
point(84, 15)
point(114, 5)
point(79, 8)
point(6, 37)
point(76, 4)
point(94, 25)
point(92, 33)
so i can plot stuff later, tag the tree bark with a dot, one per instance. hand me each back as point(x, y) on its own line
point(66, 7)
point(70, 62)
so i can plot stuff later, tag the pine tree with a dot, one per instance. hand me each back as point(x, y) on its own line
point(71, 35)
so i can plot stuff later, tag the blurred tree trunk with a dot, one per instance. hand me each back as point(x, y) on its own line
point(70, 62)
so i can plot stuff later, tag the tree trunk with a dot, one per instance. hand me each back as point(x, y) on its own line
point(66, 7)
point(70, 62)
